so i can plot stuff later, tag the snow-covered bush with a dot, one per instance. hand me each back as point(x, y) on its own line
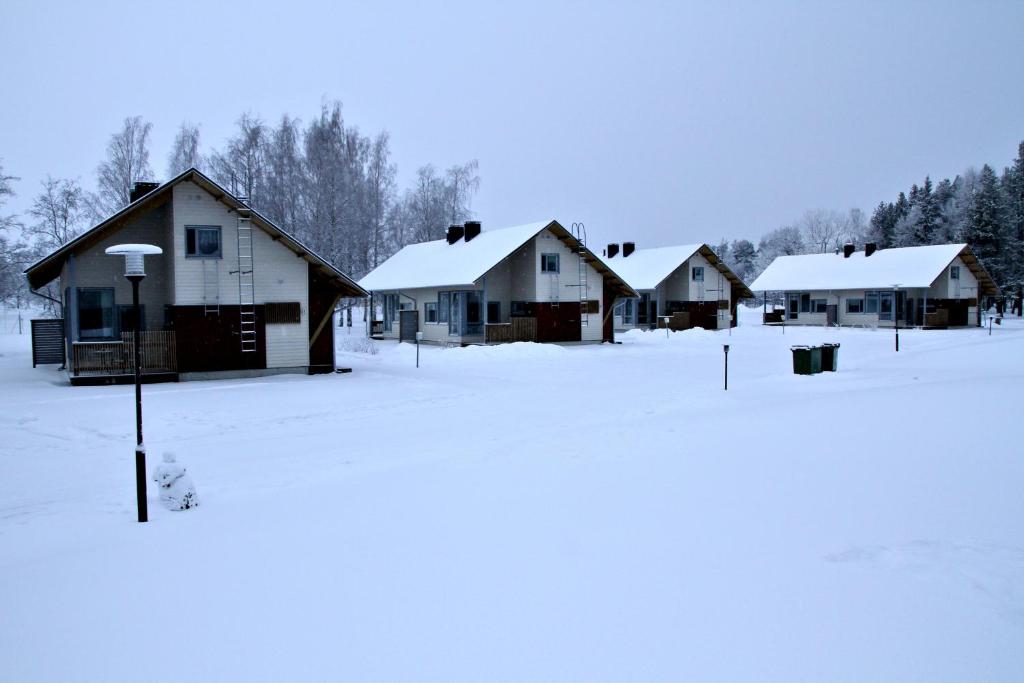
point(359, 345)
point(176, 489)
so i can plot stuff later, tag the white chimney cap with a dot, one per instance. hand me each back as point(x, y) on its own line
point(125, 249)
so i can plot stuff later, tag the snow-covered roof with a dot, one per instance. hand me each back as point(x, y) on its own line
point(647, 268)
point(903, 266)
point(462, 264)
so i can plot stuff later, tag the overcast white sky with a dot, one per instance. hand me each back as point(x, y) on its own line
point(659, 122)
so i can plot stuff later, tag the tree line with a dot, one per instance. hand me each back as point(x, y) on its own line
point(324, 181)
point(980, 208)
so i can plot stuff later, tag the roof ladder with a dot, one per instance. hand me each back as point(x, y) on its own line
point(580, 233)
point(211, 286)
point(246, 282)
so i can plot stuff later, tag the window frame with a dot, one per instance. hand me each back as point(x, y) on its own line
point(860, 306)
point(954, 272)
point(428, 308)
point(196, 229)
point(819, 306)
point(695, 271)
point(544, 262)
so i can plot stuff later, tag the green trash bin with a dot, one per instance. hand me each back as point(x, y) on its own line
point(830, 357)
point(806, 360)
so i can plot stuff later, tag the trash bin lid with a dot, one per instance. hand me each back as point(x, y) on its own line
point(799, 348)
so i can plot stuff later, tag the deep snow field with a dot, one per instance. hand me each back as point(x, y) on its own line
point(530, 513)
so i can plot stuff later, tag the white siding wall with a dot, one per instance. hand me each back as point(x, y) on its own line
point(279, 274)
point(564, 286)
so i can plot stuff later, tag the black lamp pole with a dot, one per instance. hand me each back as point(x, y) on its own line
point(896, 313)
point(140, 450)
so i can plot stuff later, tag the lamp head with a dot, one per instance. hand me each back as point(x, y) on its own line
point(133, 256)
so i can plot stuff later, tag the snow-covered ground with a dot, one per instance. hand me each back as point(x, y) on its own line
point(530, 513)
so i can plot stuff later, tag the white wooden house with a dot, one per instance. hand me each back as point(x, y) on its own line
point(534, 282)
point(232, 294)
point(681, 287)
point(934, 286)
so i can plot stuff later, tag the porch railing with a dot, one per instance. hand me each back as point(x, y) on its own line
point(159, 354)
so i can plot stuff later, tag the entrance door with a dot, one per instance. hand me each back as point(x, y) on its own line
point(831, 314)
point(455, 314)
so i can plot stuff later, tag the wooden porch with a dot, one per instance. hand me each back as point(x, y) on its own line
point(518, 329)
point(113, 362)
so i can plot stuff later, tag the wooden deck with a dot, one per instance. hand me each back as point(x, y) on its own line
point(518, 329)
point(116, 359)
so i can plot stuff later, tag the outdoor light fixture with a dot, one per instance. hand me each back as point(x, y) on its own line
point(135, 271)
point(895, 313)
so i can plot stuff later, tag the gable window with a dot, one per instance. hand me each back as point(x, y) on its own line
point(549, 263)
point(95, 313)
point(954, 272)
point(855, 305)
point(430, 312)
point(698, 273)
point(202, 241)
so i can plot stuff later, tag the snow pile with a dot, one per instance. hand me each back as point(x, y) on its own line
point(513, 351)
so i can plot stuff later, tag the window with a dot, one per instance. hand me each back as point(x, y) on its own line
point(805, 303)
point(95, 313)
point(282, 313)
point(126, 317)
point(549, 263)
point(819, 305)
point(954, 272)
point(520, 309)
point(202, 241)
point(698, 273)
point(473, 312)
point(494, 311)
point(855, 305)
point(430, 312)
point(871, 302)
point(590, 306)
point(443, 301)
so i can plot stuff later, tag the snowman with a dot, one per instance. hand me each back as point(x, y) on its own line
point(176, 489)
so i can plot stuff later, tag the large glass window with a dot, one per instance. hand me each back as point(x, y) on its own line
point(819, 306)
point(494, 311)
point(202, 241)
point(443, 301)
point(805, 303)
point(95, 313)
point(871, 302)
point(549, 263)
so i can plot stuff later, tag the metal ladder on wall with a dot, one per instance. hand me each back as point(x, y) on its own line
point(580, 233)
point(246, 282)
point(211, 286)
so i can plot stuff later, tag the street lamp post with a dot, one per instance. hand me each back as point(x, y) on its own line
point(896, 314)
point(135, 272)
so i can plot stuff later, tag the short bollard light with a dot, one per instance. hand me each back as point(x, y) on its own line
point(725, 348)
point(419, 338)
point(135, 272)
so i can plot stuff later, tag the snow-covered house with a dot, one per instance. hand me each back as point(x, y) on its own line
point(232, 294)
point(929, 286)
point(687, 283)
point(534, 282)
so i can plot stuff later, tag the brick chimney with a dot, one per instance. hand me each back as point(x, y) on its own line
point(140, 190)
point(612, 250)
point(455, 233)
point(472, 229)
point(870, 248)
point(848, 250)
point(628, 248)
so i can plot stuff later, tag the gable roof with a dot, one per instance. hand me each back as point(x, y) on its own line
point(648, 268)
point(439, 264)
point(48, 268)
point(916, 267)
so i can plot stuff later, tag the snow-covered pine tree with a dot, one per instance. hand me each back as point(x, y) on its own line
point(983, 227)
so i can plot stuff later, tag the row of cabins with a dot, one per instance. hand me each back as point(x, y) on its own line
point(234, 295)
